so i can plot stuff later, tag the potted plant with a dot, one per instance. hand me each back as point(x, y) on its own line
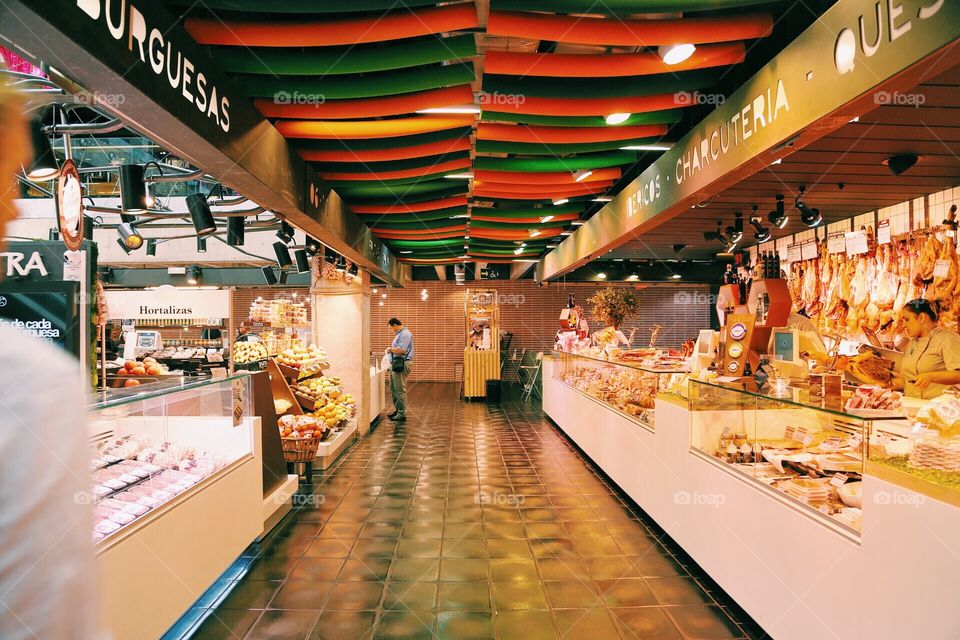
point(613, 306)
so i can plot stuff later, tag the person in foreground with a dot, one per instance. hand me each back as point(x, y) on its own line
point(401, 351)
point(931, 360)
point(47, 586)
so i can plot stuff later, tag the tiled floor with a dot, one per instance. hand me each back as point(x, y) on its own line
point(469, 521)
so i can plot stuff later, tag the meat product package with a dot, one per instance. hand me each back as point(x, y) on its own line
point(943, 286)
point(927, 260)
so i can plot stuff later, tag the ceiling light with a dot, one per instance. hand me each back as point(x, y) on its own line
point(675, 53)
point(354, 270)
point(735, 232)
point(854, 119)
point(200, 214)
point(44, 163)
point(676, 276)
point(647, 147)
point(617, 118)
point(282, 277)
point(779, 217)
point(534, 233)
point(303, 261)
point(460, 176)
point(381, 303)
point(602, 199)
point(518, 251)
point(405, 251)
point(312, 246)
point(546, 218)
point(777, 161)
point(677, 248)
point(559, 201)
point(566, 233)
point(633, 277)
point(577, 223)
point(286, 231)
point(602, 276)
point(235, 231)
point(383, 295)
point(151, 247)
point(762, 234)
point(283, 254)
point(373, 291)
point(582, 175)
point(808, 216)
point(464, 109)
point(526, 260)
point(133, 190)
point(201, 245)
point(123, 245)
point(193, 274)
point(129, 238)
point(341, 264)
point(268, 275)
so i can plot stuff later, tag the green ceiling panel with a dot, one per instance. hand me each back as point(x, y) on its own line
point(440, 214)
point(358, 86)
point(388, 165)
point(600, 87)
point(526, 213)
point(667, 116)
point(620, 7)
point(378, 190)
point(414, 226)
point(534, 148)
point(425, 244)
point(340, 60)
point(590, 161)
point(411, 199)
point(482, 224)
point(302, 6)
point(385, 143)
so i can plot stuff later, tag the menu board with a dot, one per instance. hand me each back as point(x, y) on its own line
point(43, 310)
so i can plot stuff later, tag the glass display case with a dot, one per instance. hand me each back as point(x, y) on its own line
point(629, 388)
point(808, 450)
point(154, 445)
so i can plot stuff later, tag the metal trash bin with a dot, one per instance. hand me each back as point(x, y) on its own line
point(493, 391)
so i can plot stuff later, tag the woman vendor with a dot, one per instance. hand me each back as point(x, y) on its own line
point(931, 360)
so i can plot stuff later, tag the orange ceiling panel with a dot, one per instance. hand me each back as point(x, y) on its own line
point(564, 135)
point(354, 129)
point(545, 177)
point(378, 155)
point(413, 207)
point(452, 165)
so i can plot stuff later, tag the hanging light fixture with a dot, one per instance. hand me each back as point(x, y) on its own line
point(303, 260)
point(201, 244)
point(235, 231)
point(193, 274)
point(582, 175)
point(286, 231)
point(779, 217)
point(560, 201)
point(200, 214)
point(675, 53)
point(617, 118)
point(152, 247)
point(762, 234)
point(44, 163)
point(268, 275)
point(312, 246)
point(283, 254)
point(810, 217)
point(129, 238)
point(133, 190)
point(341, 264)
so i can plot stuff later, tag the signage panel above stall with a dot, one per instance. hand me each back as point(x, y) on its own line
point(175, 304)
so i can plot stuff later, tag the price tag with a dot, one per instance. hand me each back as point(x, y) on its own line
point(836, 243)
point(883, 232)
point(941, 268)
point(838, 479)
point(807, 440)
point(793, 253)
point(808, 250)
point(856, 243)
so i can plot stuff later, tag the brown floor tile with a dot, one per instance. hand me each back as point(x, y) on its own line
point(678, 591)
point(506, 530)
point(416, 596)
point(250, 594)
point(703, 622)
point(528, 625)
point(513, 570)
point(462, 570)
point(572, 594)
point(464, 548)
point(366, 569)
point(464, 595)
point(508, 596)
point(301, 595)
point(465, 625)
point(225, 623)
point(646, 622)
point(595, 624)
point(415, 569)
point(283, 625)
point(369, 548)
point(405, 625)
point(629, 592)
point(355, 596)
point(508, 549)
point(340, 625)
point(329, 548)
point(562, 568)
point(418, 549)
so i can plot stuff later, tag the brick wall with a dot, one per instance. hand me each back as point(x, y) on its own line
point(438, 324)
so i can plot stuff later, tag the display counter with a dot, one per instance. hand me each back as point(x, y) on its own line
point(787, 550)
point(177, 496)
point(378, 390)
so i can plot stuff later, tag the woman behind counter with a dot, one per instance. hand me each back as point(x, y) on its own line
point(931, 360)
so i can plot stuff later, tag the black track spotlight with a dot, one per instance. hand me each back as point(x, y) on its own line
point(735, 231)
point(312, 246)
point(779, 217)
point(286, 231)
point(901, 162)
point(130, 238)
point(133, 190)
point(762, 234)
point(44, 163)
point(151, 247)
point(193, 275)
point(354, 270)
point(808, 216)
point(268, 275)
point(200, 214)
point(201, 245)
point(123, 245)
point(53, 234)
point(303, 260)
point(677, 248)
point(235, 231)
point(283, 277)
point(283, 254)
point(341, 264)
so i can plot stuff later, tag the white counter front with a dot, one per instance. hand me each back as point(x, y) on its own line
point(795, 573)
point(378, 386)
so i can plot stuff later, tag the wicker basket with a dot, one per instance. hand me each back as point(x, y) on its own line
point(300, 449)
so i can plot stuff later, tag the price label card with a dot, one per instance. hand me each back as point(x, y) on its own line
point(793, 253)
point(808, 250)
point(808, 440)
point(856, 243)
point(883, 232)
point(836, 243)
point(941, 268)
point(838, 479)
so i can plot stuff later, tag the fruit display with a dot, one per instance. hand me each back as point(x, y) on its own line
point(301, 427)
point(148, 367)
point(279, 342)
point(304, 358)
point(280, 312)
point(246, 352)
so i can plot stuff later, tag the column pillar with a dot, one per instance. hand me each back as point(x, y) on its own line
point(341, 325)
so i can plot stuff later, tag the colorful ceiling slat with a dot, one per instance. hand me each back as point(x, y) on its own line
point(381, 98)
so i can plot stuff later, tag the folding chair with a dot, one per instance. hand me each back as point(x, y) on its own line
point(532, 375)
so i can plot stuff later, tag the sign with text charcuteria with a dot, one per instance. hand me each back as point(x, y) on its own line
point(849, 51)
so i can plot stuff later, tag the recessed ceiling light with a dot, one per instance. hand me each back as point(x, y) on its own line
point(582, 175)
point(577, 223)
point(566, 233)
point(675, 53)
point(462, 109)
point(602, 199)
point(559, 201)
point(518, 251)
point(647, 147)
point(405, 251)
point(854, 119)
point(602, 275)
point(546, 218)
point(534, 233)
point(527, 260)
point(617, 118)
point(459, 176)
point(777, 161)
point(633, 277)
point(676, 276)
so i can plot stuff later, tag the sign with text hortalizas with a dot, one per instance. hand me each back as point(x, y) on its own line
point(850, 51)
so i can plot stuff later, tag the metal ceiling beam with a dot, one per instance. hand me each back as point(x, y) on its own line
point(135, 62)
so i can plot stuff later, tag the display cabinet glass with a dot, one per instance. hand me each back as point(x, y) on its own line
point(154, 445)
point(628, 388)
point(808, 451)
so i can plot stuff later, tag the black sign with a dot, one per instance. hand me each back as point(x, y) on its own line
point(45, 310)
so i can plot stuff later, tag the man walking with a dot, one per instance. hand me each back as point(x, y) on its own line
point(401, 356)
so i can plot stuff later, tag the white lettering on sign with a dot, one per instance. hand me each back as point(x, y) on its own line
point(648, 192)
point(888, 15)
point(129, 25)
point(16, 267)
